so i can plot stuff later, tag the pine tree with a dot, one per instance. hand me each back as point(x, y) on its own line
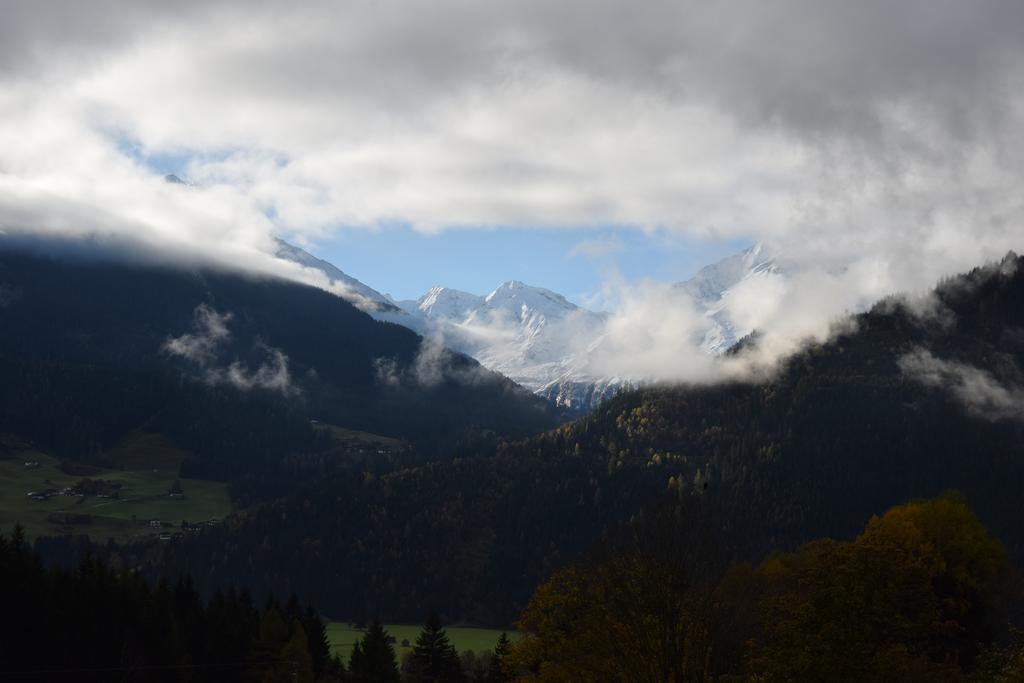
point(373, 659)
point(496, 672)
point(355, 660)
point(319, 645)
point(434, 659)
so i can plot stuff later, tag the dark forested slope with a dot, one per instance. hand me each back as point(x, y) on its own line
point(902, 404)
point(230, 367)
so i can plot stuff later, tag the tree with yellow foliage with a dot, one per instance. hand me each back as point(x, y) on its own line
point(913, 598)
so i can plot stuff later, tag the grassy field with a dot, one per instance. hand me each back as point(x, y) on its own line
point(150, 468)
point(343, 636)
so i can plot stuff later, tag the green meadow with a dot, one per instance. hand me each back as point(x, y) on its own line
point(343, 636)
point(150, 467)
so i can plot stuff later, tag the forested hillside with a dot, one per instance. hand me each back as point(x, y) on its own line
point(902, 404)
point(231, 368)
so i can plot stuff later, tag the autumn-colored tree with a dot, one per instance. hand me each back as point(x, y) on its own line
point(912, 598)
point(1002, 664)
point(295, 659)
point(282, 649)
point(641, 611)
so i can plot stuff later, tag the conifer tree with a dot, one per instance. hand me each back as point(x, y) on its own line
point(373, 659)
point(434, 659)
point(495, 670)
point(319, 645)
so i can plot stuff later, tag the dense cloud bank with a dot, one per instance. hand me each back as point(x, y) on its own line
point(875, 145)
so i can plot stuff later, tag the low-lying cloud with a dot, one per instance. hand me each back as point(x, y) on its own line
point(433, 365)
point(655, 333)
point(201, 346)
point(977, 389)
point(204, 348)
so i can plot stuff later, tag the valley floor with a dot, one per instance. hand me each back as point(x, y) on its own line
point(344, 635)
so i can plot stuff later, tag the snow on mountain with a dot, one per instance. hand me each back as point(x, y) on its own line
point(710, 290)
point(583, 393)
point(353, 290)
point(358, 293)
point(711, 285)
point(530, 334)
point(539, 338)
point(443, 303)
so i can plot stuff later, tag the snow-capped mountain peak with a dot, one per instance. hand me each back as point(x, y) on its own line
point(710, 282)
point(518, 295)
point(527, 333)
point(709, 289)
point(443, 302)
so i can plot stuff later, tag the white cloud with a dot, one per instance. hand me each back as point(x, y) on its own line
point(204, 346)
point(875, 144)
point(654, 334)
point(978, 390)
point(211, 331)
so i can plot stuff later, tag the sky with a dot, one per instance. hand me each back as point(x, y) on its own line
point(575, 263)
point(874, 144)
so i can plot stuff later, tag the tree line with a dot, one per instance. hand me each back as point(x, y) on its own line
point(924, 593)
point(95, 623)
point(433, 659)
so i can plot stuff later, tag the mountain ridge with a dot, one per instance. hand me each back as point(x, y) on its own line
point(103, 346)
point(540, 339)
point(896, 406)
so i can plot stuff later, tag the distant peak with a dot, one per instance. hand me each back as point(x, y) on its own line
point(173, 179)
point(438, 293)
point(512, 286)
point(440, 290)
point(516, 290)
